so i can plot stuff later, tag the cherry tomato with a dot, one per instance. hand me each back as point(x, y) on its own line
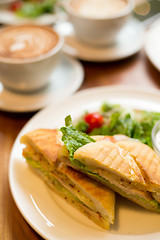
point(15, 6)
point(94, 120)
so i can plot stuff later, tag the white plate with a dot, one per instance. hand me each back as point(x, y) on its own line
point(64, 81)
point(10, 18)
point(129, 41)
point(152, 44)
point(50, 215)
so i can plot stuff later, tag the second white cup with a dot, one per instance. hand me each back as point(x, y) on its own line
point(98, 22)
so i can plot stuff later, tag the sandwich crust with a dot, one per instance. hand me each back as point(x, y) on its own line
point(45, 141)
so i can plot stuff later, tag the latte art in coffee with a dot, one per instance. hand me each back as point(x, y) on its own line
point(25, 42)
point(98, 8)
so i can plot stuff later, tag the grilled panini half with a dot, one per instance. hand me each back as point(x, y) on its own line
point(93, 199)
point(127, 166)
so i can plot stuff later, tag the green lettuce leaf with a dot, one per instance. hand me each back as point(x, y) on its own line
point(72, 138)
point(35, 9)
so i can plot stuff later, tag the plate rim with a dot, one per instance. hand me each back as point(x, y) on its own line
point(51, 18)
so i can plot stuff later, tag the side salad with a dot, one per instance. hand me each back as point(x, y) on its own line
point(34, 8)
point(113, 119)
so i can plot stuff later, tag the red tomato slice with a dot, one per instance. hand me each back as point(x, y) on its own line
point(15, 6)
point(94, 120)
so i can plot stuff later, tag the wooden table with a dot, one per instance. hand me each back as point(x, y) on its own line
point(135, 70)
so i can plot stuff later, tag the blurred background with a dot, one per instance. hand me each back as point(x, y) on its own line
point(144, 9)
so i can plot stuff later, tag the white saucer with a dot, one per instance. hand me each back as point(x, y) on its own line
point(152, 44)
point(64, 81)
point(129, 41)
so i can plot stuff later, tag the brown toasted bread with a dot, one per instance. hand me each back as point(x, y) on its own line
point(95, 200)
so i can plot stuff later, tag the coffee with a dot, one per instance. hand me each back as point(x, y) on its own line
point(98, 8)
point(27, 41)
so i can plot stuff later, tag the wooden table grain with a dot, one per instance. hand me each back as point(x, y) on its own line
point(133, 71)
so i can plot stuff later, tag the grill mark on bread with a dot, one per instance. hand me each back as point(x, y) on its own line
point(134, 151)
point(116, 159)
point(137, 151)
point(148, 163)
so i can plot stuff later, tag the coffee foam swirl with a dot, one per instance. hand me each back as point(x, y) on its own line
point(26, 42)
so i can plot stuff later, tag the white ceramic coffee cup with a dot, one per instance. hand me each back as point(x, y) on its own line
point(98, 30)
point(30, 74)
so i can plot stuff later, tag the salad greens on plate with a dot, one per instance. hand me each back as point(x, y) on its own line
point(114, 119)
point(34, 8)
point(111, 119)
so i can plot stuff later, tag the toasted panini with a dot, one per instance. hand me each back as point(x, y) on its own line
point(111, 158)
point(95, 200)
point(127, 166)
